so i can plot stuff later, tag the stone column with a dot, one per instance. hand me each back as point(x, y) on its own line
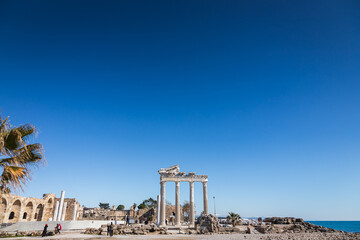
point(56, 211)
point(177, 204)
point(192, 205)
point(162, 203)
point(74, 213)
point(64, 212)
point(61, 205)
point(206, 208)
point(158, 210)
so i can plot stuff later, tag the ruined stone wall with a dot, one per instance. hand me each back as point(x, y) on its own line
point(147, 214)
point(139, 216)
point(170, 209)
point(70, 204)
point(106, 214)
point(20, 209)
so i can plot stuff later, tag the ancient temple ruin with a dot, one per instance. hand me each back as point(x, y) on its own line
point(173, 174)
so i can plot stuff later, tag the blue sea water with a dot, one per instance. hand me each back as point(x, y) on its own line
point(347, 226)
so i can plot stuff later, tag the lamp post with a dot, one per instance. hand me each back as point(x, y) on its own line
point(214, 207)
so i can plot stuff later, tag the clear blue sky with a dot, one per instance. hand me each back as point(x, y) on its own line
point(263, 96)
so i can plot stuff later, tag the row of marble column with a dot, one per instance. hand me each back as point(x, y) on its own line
point(60, 208)
point(177, 203)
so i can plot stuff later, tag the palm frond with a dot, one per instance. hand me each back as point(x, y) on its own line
point(3, 123)
point(12, 140)
point(20, 157)
point(14, 177)
point(3, 128)
point(29, 156)
point(26, 131)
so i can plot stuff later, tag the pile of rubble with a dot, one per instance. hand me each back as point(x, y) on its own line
point(283, 220)
point(207, 223)
point(290, 225)
point(24, 234)
point(128, 230)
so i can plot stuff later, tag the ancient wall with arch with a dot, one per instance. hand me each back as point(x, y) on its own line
point(15, 208)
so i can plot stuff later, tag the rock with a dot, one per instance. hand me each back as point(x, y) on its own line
point(283, 220)
point(207, 224)
point(236, 230)
point(93, 231)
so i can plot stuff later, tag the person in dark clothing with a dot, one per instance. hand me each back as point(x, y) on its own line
point(108, 230)
point(111, 229)
point(44, 231)
point(127, 220)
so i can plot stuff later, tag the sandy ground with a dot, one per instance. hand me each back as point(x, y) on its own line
point(293, 236)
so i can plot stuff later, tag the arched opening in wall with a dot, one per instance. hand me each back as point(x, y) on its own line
point(24, 215)
point(3, 206)
point(39, 212)
point(11, 216)
point(29, 209)
point(15, 208)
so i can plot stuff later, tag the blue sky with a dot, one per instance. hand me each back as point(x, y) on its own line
point(263, 96)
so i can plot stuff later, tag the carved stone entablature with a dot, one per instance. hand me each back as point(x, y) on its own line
point(186, 178)
point(173, 174)
point(170, 171)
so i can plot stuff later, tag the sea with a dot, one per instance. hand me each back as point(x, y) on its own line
point(347, 226)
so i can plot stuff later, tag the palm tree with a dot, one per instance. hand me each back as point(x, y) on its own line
point(234, 218)
point(17, 156)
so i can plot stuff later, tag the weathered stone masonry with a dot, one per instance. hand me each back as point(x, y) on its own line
point(15, 208)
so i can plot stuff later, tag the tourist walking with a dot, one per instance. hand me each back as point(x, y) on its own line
point(59, 228)
point(44, 231)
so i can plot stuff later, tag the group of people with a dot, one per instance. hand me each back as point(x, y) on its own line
point(57, 229)
point(110, 229)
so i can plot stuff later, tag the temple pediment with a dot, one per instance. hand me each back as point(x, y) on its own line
point(173, 174)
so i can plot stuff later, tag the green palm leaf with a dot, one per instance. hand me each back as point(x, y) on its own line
point(17, 158)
